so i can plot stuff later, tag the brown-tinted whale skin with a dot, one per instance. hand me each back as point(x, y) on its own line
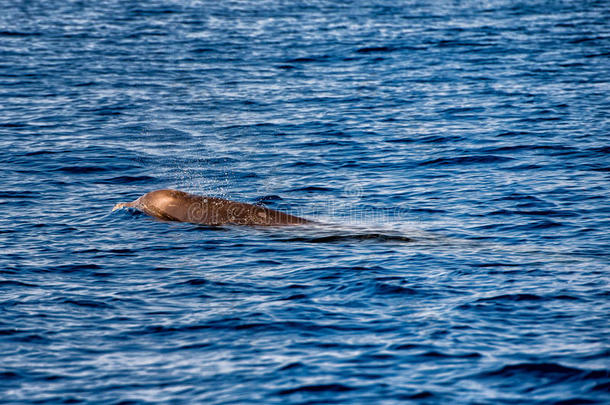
point(175, 205)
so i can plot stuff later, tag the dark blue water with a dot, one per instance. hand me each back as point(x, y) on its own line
point(459, 153)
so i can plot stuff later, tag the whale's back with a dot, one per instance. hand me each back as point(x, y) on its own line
point(176, 205)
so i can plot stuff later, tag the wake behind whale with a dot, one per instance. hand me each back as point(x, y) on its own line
point(179, 206)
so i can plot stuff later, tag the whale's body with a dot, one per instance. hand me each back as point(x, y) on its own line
point(175, 205)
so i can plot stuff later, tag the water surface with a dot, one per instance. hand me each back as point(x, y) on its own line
point(459, 153)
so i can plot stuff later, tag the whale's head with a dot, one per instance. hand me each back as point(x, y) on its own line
point(164, 204)
point(158, 200)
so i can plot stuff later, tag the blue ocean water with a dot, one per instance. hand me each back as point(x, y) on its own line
point(456, 152)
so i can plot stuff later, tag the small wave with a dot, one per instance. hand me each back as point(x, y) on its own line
point(317, 388)
point(349, 237)
point(303, 163)
point(295, 297)
point(88, 303)
point(545, 370)
point(9, 332)
point(520, 197)
point(146, 12)
point(524, 167)
point(392, 289)
point(267, 199)
point(9, 375)
point(546, 224)
point(82, 169)
point(15, 283)
point(202, 50)
point(42, 152)
point(495, 264)
point(310, 189)
point(19, 34)
point(405, 346)
point(602, 149)
point(125, 179)
point(525, 297)
point(456, 43)
point(441, 355)
point(196, 281)
point(596, 55)
point(19, 194)
point(535, 147)
point(427, 139)
point(461, 110)
point(580, 40)
point(291, 366)
point(603, 387)
point(31, 338)
point(13, 125)
point(417, 395)
point(466, 160)
point(427, 210)
point(308, 59)
point(538, 225)
point(194, 346)
point(372, 49)
point(544, 213)
point(70, 268)
point(514, 133)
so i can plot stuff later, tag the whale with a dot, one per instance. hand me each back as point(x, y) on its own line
point(176, 205)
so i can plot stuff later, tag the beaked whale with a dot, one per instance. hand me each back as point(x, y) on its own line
point(175, 205)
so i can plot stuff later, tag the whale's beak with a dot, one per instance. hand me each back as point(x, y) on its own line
point(119, 206)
